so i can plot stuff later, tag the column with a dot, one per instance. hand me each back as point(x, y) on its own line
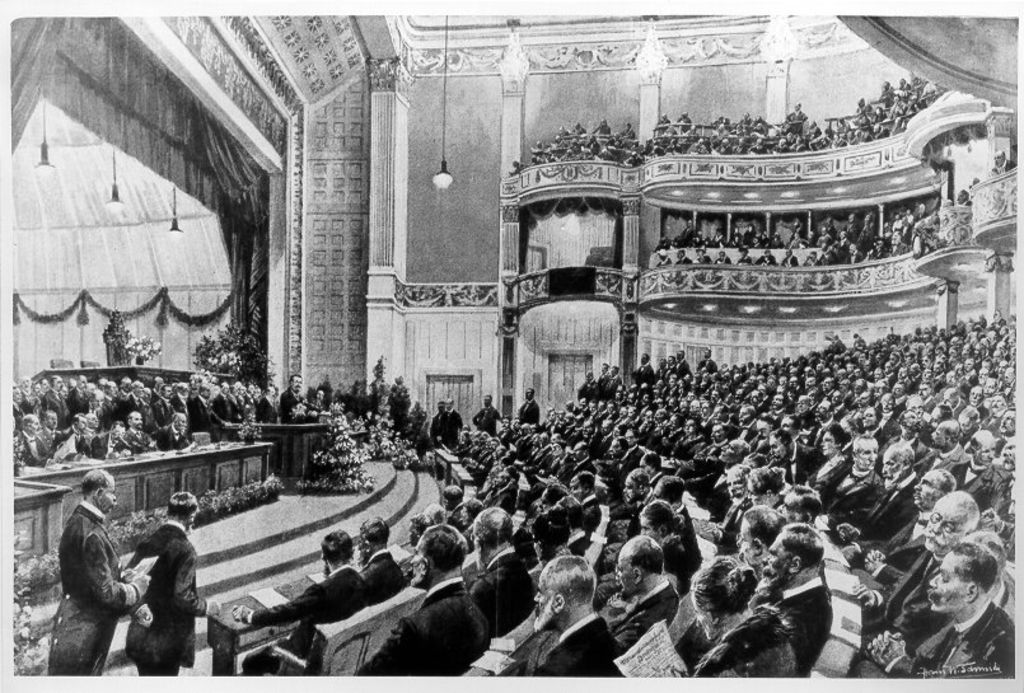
point(768, 223)
point(631, 234)
point(508, 249)
point(514, 68)
point(948, 303)
point(728, 228)
point(389, 173)
point(810, 222)
point(881, 218)
point(1000, 285)
point(650, 109)
point(627, 346)
point(776, 93)
point(508, 332)
point(1000, 127)
point(651, 62)
point(278, 305)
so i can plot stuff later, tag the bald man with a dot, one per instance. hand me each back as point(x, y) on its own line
point(645, 587)
point(565, 604)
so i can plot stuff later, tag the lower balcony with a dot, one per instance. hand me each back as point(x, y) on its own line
point(995, 212)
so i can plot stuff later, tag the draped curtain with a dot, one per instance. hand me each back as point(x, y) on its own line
point(100, 74)
point(547, 211)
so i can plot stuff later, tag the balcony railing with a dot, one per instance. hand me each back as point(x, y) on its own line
point(883, 276)
point(609, 285)
point(995, 208)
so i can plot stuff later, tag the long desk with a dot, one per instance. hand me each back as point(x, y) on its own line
point(293, 446)
point(38, 516)
point(146, 482)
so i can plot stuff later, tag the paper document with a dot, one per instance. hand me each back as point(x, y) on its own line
point(846, 621)
point(832, 553)
point(316, 577)
point(268, 598)
point(653, 656)
point(840, 581)
point(145, 565)
point(494, 662)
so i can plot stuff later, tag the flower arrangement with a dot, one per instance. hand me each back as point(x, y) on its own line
point(339, 467)
point(143, 349)
point(250, 431)
point(235, 352)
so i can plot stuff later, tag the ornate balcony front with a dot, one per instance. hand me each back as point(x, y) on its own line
point(956, 257)
point(589, 284)
point(995, 212)
point(571, 178)
point(951, 111)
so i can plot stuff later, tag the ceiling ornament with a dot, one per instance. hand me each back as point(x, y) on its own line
point(779, 43)
point(515, 64)
point(320, 53)
point(651, 60)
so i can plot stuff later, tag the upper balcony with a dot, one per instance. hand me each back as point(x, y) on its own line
point(879, 171)
point(995, 212)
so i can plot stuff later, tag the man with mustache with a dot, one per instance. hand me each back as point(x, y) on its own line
point(978, 640)
point(760, 528)
point(791, 580)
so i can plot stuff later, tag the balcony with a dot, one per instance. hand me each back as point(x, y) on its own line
point(879, 172)
point(571, 283)
point(956, 256)
point(995, 212)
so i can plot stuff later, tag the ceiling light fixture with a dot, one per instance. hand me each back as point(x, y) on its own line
point(114, 204)
point(442, 179)
point(44, 147)
point(174, 212)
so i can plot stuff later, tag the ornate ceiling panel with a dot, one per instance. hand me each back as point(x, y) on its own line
point(320, 53)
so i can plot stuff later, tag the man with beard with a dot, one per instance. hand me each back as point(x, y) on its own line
point(644, 589)
point(624, 517)
point(565, 604)
point(977, 640)
point(906, 607)
point(448, 632)
point(96, 592)
point(859, 491)
point(895, 506)
point(791, 580)
point(725, 533)
point(759, 529)
point(947, 453)
point(529, 412)
point(486, 419)
point(986, 481)
point(382, 576)
point(797, 460)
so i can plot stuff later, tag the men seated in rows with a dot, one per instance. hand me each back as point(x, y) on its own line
point(646, 594)
point(503, 591)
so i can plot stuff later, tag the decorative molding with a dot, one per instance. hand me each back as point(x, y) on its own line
point(298, 135)
point(319, 52)
point(999, 262)
point(955, 227)
point(259, 52)
point(888, 275)
point(217, 58)
point(651, 60)
point(446, 295)
point(510, 214)
point(631, 206)
point(388, 74)
point(608, 283)
point(951, 286)
point(995, 202)
point(514, 66)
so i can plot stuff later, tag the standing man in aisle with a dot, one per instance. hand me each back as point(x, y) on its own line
point(486, 419)
point(162, 637)
point(96, 592)
point(529, 413)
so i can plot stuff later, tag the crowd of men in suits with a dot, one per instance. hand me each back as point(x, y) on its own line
point(885, 116)
point(899, 454)
point(833, 241)
point(58, 418)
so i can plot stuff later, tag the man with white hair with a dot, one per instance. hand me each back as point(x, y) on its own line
point(986, 481)
point(565, 603)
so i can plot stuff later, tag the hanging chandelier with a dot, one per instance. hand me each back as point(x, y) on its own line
point(442, 179)
point(44, 147)
point(174, 212)
point(114, 204)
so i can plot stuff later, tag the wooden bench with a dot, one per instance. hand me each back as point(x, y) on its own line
point(340, 649)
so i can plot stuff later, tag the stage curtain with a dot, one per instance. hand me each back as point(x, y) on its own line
point(102, 76)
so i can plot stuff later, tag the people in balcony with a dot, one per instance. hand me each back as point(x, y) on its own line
point(1002, 164)
point(766, 259)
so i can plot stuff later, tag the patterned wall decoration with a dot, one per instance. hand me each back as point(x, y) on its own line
point(681, 51)
point(337, 219)
point(213, 53)
point(446, 295)
point(320, 53)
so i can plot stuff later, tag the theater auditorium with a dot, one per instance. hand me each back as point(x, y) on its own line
point(494, 346)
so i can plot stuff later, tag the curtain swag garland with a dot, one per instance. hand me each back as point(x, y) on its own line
point(162, 300)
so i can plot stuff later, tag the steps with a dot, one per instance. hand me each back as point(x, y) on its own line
point(279, 543)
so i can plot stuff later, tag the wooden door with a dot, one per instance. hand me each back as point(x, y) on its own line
point(566, 372)
point(460, 388)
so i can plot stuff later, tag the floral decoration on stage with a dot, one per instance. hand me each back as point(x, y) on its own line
point(250, 431)
point(143, 349)
point(340, 467)
point(235, 352)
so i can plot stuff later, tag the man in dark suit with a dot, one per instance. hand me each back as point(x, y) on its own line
point(486, 419)
point(978, 640)
point(440, 427)
point(96, 592)
point(857, 494)
point(199, 419)
point(449, 632)
point(341, 594)
point(161, 406)
point(645, 375)
point(504, 590)
point(291, 398)
point(137, 440)
point(381, 574)
point(529, 412)
point(54, 400)
point(162, 636)
point(78, 399)
point(987, 482)
point(36, 449)
point(111, 444)
point(224, 409)
point(895, 506)
point(179, 400)
point(267, 406)
point(791, 580)
point(175, 435)
point(565, 604)
point(798, 461)
point(646, 590)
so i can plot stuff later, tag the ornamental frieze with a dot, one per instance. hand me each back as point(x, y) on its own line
point(447, 295)
point(995, 199)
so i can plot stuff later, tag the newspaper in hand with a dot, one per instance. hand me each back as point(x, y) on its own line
point(653, 656)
